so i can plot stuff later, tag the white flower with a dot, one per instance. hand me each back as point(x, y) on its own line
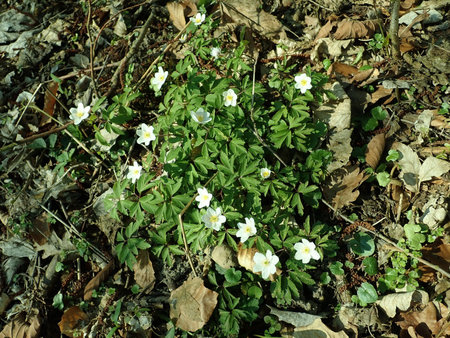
point(198, 19)
point(79, 114)
point(246, 229)
point(201, 116)
point(183, 38)
point(305, 251)
point(265, 263)
point(215, 51)
point(213, 218)
point(265, 173)
point(145, 134)
point(203, 198)
point(303, 82)
point(159, 78)
point(230, 98)
point(134, 172)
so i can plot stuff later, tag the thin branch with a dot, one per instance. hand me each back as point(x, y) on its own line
point(131, 52)
point(391, 242)
point(91, 47)
point(393, 30)
point(183, 233)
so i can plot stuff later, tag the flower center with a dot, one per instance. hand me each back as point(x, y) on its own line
point(266, 262)
point(229, 97)
point(136, 172)
point(265, 173)
point(198, 20)
point(80, 113)
point(303, 83)
point(147, 134)
point(248, 230)
point(205, 197)
point(306, 250)
point(213, 219)
point(161, 78)
point(200, 118)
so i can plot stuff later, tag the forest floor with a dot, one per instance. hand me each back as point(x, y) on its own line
point(343, 182)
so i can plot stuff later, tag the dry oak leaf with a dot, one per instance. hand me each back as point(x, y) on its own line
point(375, 150)
point(95, 282)
point(192, 304)
point(380, 93)
point(177, 11)
point(349, 29)
point(23, 327)
point(425, 323)
point(437, 253)
point(340, 187)
point(72, 321)
point(401, 300)
point(325, 30)
point(143, 271)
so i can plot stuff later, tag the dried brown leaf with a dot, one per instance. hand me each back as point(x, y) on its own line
point(429, 320)
point(23, 327)
point(49, 102)
point(344, 69)
point(325, 30)
point(375, 150)
point(192, 304)
point(40, 231)
point(341, 185)
point(380, 93)
point(72, 320)
point(317, 329)
point(437, 253)
point(95, 282)
point(178, 11)
point(349, 29)
point(143, 271)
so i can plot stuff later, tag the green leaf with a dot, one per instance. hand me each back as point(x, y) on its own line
point(393, 155)
point(370, 124)
point(370, 266)
point(233, 276)
point(367, 293)
point(38, 143)
point(378, 113)
point(336, 268)
point(383, 178)
point(362, 244)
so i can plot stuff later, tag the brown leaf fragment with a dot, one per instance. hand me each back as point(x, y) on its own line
point(192, 304)
point(245, 259)
point(143, 271)
point(340, 186)
point(22, 326)
point(325, 30)
point(344, 69)
point(375, 150)
point(437, 253)
point(49, 102)
point(99, 278)
point(349, 29)
point(72, 321)
point(40, 232)
point(380, 93)
point(178, 10)
point(425, 323)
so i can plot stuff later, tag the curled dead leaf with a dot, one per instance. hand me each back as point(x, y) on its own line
point(23, 326)
point(380, 93)
point(95, 282)
point(350, 29)
point(429, 320)
point(143, 271)
point(192, 304)
point(340, 187)
point(72, 321)
point(375, 150)
point(178, 10)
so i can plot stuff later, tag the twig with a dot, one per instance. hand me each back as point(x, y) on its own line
point(183, 233)
point(149, 69)
point(391, 242)
point(393, 30)
point(26, 107)
point(131, 52)
point(35, 136)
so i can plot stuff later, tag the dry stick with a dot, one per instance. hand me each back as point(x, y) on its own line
point(255, 131)
point(131, 52)
point(183, 233)
point(387, 240)
point(149, 69)
point(393, 30)
point(26, 107)
point(35, 136)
